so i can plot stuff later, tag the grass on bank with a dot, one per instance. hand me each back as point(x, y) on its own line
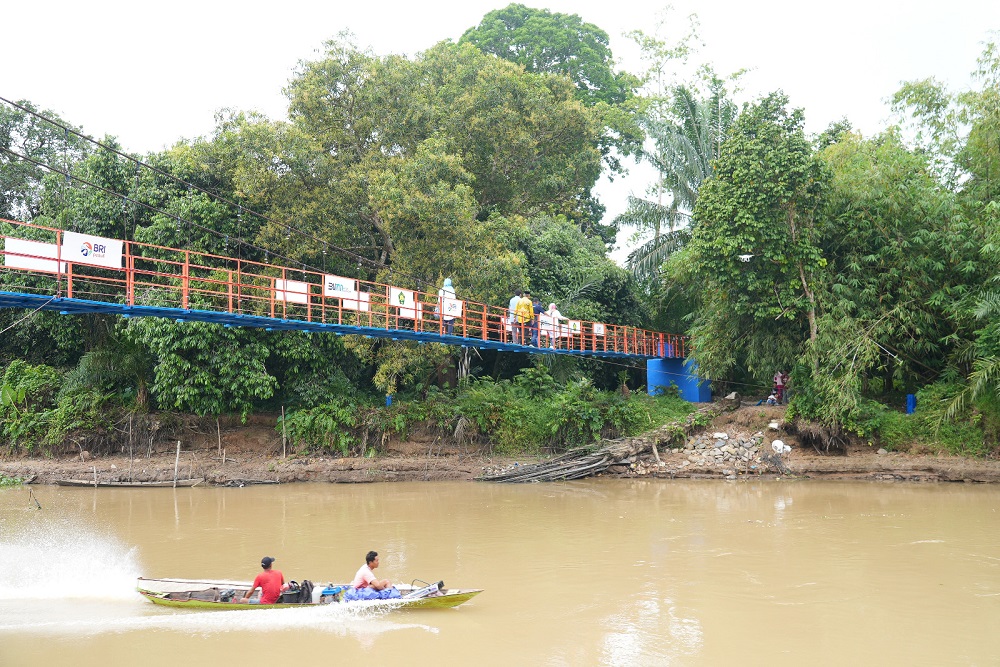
point(974, 433)
point(527, 415)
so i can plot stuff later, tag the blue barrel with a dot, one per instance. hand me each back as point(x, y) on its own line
point(911, 403)
point(388, 400)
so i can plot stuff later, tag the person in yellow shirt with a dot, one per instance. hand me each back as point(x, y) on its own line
point(524, 313)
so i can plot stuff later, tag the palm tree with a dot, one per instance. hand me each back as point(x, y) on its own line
point(686, 136)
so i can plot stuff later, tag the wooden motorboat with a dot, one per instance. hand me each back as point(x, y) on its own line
point(194, 481)
point(197, 594)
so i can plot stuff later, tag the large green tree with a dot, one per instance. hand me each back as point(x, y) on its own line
point(551, 42)
point(754, 244)
point(29, 144)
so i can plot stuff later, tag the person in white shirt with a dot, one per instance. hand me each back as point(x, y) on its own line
point(554, 317)
point(366, 575)
point(446, 292)
point(511, 307)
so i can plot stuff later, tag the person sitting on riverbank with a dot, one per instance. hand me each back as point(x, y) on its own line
point(270, 582)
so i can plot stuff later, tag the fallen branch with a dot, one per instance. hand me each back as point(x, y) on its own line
point(587, 461)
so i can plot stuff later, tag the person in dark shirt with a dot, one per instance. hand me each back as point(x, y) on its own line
point(538, 310)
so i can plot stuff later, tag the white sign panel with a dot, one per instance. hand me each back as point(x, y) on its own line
point(405, 300)
point(549, 327)
point(451, 308)
point(93, 250)
point(598, 329)
point(575, 326)
point(355, 301)
point(292, 291)
point(340, 287)
point(29, 255)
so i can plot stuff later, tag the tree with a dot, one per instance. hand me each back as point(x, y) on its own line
point(518, 143)
point(686, 137)
point(761, 204)
point(901, 256)
point(543, 42)
point(205, 369)
point(554, 43)
point(27, 146)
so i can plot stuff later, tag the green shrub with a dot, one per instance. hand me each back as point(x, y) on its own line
point(326, 427)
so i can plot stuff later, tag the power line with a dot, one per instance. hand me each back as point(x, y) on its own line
point(191, 186)
point(148, 207)
point(240, 208)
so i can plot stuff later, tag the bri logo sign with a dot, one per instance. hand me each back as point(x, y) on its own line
point(94, 250)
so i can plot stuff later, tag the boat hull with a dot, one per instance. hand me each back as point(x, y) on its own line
point(172, 592)
point(157, 484)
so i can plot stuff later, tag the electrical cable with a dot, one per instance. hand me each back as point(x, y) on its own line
point(68, 130)
point(11, 326)
point(192, 187)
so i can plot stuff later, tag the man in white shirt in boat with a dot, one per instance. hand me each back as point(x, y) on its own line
point(366, 576)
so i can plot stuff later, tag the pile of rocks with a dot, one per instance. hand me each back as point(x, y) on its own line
point(721, 450)
point(716, 455)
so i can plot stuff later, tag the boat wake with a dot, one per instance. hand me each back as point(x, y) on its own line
point(54, 558)
point(64, 578)
point(82, 618)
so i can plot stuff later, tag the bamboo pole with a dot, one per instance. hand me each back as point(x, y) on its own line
point(177, 462)
point(218, 429)
point(284, 435)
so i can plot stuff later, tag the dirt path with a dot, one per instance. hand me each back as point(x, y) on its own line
point(253, 454)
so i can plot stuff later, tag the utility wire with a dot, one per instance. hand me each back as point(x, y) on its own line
point(69, 130)
point(11, 326)
point(190, 186)
point(148, 207)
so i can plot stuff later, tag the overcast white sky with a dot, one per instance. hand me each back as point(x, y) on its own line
point(151, 73)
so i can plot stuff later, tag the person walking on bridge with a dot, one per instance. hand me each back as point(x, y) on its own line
point(525, 312)
point(512, 315)
point(555, 327)
point(446, 292)
point(537, 310)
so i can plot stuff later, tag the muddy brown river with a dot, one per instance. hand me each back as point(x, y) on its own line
point(598, 572)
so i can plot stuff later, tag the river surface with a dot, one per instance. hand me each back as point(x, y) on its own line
point(597, 572)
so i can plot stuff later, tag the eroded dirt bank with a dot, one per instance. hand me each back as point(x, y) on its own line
point(252, 453)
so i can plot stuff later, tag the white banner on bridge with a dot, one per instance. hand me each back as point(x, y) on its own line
point(291, 291)
point(598, 329)
point(575, 326)
point(345, 289)
point(93, 250)
point(21, 254)
point(340, 287)
point(451, 307)
point(406, 301)
point(355, 301)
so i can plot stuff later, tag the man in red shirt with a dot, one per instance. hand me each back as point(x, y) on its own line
point(269, 581)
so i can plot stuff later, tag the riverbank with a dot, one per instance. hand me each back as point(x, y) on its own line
point(240, 455)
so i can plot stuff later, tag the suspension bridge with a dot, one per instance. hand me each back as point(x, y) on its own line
point(73, 273)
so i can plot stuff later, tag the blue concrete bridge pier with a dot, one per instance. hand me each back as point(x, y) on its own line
point(664, 372)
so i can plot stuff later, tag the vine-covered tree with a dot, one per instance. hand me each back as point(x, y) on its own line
point(754, 244)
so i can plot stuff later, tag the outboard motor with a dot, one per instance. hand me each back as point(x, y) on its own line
point(426, 591)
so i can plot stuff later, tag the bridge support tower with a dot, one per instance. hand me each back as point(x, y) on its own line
point(661, 373)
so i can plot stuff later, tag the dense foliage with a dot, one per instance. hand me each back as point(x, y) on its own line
point(866, 266)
